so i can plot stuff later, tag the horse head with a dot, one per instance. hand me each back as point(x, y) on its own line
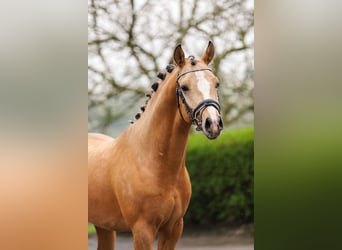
point(197, 90)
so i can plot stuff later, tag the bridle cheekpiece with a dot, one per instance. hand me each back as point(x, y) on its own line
point(198, 110)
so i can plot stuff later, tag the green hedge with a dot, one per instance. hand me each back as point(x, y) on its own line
point(221, 173)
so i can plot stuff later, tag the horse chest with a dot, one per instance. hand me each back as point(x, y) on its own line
point(164, 207)
point(155, 204)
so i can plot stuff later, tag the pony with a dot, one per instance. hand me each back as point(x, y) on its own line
point(138, 182)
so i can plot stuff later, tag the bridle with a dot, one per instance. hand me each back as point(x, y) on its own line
point(193, 114)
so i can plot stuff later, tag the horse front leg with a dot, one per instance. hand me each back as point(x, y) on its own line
point(143, 236)
point(168, 236)
point(105, 239)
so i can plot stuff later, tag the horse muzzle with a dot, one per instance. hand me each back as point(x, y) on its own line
point(212, 127)
point(208, 119)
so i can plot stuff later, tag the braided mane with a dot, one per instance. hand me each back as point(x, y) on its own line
point(161, 75)
point(154, 87)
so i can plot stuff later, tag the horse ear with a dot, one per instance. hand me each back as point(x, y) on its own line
point(208, 54)
point(179, 56)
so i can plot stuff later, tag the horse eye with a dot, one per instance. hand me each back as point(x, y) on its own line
point(217, 85)
point(184, 88)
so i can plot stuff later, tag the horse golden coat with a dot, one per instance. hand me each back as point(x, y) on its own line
point(138, 182)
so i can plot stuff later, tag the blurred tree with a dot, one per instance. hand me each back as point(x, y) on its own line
point(129, 41)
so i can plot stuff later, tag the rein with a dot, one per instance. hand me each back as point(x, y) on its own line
point(193, 114)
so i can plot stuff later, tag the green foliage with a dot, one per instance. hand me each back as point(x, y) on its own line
point(221, 173)
point(91, 229)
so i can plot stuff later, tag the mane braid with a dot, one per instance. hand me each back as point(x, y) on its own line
point(155, 85)
point(193, 61)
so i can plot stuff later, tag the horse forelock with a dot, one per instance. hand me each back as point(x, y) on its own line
point(192, 60)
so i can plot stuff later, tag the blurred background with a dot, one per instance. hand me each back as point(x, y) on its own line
point(130, 41)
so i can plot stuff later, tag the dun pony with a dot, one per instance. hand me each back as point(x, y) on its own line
point(138, 182)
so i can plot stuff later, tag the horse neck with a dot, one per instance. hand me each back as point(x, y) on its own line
point(162, 134)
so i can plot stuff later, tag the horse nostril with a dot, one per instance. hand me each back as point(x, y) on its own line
point(207, 125)
point(220, 124)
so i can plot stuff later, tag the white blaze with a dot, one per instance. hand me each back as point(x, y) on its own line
point(203, 86)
